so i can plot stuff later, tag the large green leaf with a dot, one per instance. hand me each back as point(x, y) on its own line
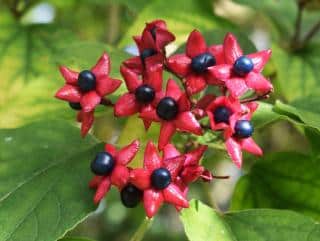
point(281, 180)
point(305, 110)
point(44, 174)
point(29, 57)
point(203, 223)
point(75, 239)
point(182, 16)
point(297, 72)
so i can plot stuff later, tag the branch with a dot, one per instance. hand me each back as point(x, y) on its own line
point(296, 36)
point(311, 33)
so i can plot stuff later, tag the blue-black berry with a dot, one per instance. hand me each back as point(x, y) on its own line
point(243, 66)
point(221, 114)
point(131, 196)
point(75, 105)
point(103, 164)
point(86, 81)
point(200, 63)
point(147, 53)
point(243, 129)
point(145, 94)
point(167, 108)
point(160, 178)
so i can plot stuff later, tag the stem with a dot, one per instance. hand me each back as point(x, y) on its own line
point(106, 102)
point(113, 20)
point(14, 9)
point(311, 33)
point(141, 231)
point(255, 98)
point(221, 177)
point(296, 36)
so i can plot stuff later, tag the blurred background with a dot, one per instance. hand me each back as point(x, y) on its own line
point(36, 36)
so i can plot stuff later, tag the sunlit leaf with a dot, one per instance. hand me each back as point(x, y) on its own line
point(44, 175)
point(203, 223)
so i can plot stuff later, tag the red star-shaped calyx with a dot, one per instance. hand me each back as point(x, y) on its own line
point(142, 94)
point(158, 181)
point(118, 174)
point(242, 72)
point(86, 119)
point(238, 135)
point(173, 111)
point(88, 87)
point(221, 110)
point(196, 63)
point(191, 169)
point(151, 46)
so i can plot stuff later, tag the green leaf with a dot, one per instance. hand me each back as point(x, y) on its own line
point(282, 15)
point(273, 225)
point(264, 115)
point(203, 223)
point(44, 174)
point(282, 180)
point(297, 72)
point(182, 16)
point(75, 239)
point(29, 58)
point(305, 110)
point(314, 140)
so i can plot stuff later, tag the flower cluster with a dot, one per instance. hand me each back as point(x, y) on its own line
point(183, 104)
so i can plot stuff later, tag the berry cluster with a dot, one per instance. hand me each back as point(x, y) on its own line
point(182, 106)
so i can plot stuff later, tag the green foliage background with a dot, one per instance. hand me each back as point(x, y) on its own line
point(44, 164)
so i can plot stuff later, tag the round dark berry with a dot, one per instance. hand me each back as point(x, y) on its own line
point(200, 63)
point(222, 114)
point(75, 105)
point(243, 129)
point(167, 108)
point(103, 164)
point(153, 32)
point(86, 81)
point(147, 53)
point(160, 178)
point(243, 65)
point(130, 196)
point(144, 94)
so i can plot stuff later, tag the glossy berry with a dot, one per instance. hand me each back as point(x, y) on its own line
point(243, 129)
point(153, 32)
point(86, 81)
point(147, 53)
point(131, 196)
point(75, 105)
point(222, 114)
point(103, 164)
point(243, 65)
point(145, 94)
point(167, 108)
point(160, 178)
point(200, 63)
